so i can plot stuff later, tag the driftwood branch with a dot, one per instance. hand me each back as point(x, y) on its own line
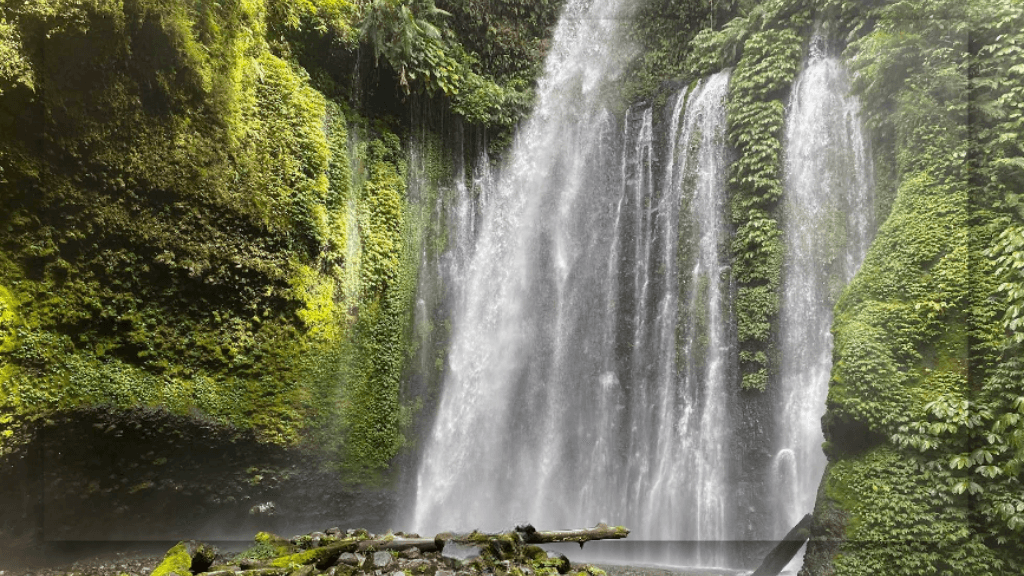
point(527, 534)
point(600, 532)
point(784, 551)
point(366, 553)
point(423, 544)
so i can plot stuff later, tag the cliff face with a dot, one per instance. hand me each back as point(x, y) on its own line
point(922, 425)
point(189, 223)
point(207, 209)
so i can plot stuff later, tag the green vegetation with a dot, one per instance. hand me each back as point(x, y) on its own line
point(927, 372)
point(756, 109)
point(764, 46)
point(176, 562)
point(187, 222)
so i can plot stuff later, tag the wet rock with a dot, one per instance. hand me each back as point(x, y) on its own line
point(444, 573)
point(459, 551)
point(558, 561)
point(411, 553)
point(418, 565)
point(203, 555)
point(350, 559)
point(382, 559)
point(248, 563)
point(264, 509)
point(177, 562)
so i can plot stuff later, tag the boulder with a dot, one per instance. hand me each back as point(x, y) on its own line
point(382, 559)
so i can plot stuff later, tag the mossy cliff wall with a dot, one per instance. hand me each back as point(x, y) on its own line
point(188, 223)
point(205, 209)
point(923, 425)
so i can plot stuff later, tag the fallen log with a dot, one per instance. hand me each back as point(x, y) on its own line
point(527, 534)
point(423, 544)
point(600, 532)
point(784, 551)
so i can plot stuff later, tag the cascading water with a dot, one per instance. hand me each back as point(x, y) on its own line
point(513, 395)
point(827, 209)
point(571, 395)
point(592, 364)
point(686, 495)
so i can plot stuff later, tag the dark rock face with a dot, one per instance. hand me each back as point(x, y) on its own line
point(146, 474)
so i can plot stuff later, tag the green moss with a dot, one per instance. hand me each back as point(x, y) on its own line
point(321, 556)
point(277, 545)
point(176, 562)
point(902, 520)
point(233, 254)
point(8, 321)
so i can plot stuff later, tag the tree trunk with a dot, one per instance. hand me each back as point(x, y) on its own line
point(784, 551)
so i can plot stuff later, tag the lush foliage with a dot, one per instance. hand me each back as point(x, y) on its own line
point(662, 31)
point(186, 222)
point(765, 46)
point(928, 344)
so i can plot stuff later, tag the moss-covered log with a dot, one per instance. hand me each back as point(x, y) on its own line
point(422, 544)
point(600, 532)
point(527, 534)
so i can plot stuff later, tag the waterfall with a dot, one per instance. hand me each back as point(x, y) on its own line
point(827, 199)
point(572, 395)
point(591, 373)
point(685, 497)
point(526, 337)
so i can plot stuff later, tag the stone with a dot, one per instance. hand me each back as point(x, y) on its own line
point(411, 553)
point(444, 573)
point(382, 559)
point(419, 565)
point(265, 509)
point(350, 559)
point(202, 555)
point(559, 562)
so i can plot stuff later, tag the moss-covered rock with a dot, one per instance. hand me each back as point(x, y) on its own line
point(176, 562)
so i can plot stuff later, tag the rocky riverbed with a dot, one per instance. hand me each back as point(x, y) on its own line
point(351, 553)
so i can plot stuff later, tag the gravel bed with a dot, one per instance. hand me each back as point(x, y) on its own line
point(111, 564)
